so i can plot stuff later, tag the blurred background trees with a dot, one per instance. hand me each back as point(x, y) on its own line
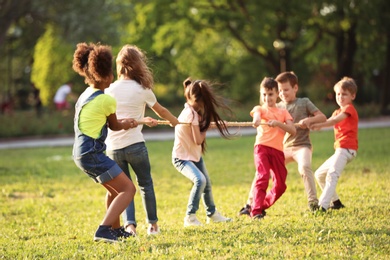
point(233, 42)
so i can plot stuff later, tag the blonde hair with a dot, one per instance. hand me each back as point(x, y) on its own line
point(348, 84)
point(132, 63)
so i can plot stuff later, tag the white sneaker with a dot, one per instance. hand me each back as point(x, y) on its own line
point(217, 217)
point(153, 231)
point(191, 220)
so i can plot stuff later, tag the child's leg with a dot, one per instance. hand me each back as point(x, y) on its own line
point(262, 179)
point(279, 175)
point(321, 172)
point(119, 156)
point(207, 195)
point(303, 156)
point(189, 170)
point(122, 193)
point(340, 159)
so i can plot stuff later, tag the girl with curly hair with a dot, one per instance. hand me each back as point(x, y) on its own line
point(95, 111)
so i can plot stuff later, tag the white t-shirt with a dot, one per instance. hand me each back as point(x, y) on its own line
point(184, 147)
point(131, 99)
point(61, 93)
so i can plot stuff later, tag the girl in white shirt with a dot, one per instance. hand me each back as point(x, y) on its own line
point(133, 92)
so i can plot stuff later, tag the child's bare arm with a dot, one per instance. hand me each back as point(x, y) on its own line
point(197, 134)
point(256, 119)
point(288, 126)
point(318, 117)
point(119, 124)
point(164, 113)
point(330, 122)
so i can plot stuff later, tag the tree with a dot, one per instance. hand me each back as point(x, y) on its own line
point(52, 64)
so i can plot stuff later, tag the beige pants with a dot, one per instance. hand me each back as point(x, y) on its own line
point(329, 173)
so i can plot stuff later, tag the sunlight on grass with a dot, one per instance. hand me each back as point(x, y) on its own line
point(50, 209)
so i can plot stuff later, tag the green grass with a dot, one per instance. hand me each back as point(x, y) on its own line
point(50, 209)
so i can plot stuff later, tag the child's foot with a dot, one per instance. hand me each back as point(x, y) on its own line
point(313, 206)
point(336, 205)
point(217, 217)
point(131, 229)
point(259, 216)
point(245, 210)
point(122, 233)
point(105, 234)
point(153, 229)
point(191, 220)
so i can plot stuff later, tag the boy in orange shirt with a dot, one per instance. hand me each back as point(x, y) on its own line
point(345, 123)
point(271, 123)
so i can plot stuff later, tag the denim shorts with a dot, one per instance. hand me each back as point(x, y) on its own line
point(98, 166)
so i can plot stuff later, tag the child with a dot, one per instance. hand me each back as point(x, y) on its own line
point(271, 123)
point(297, 147)
point(345, 124)
point(133, 91)
point(94, 110)
point(190, 142)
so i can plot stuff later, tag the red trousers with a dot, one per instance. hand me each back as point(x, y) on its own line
point(268, 161)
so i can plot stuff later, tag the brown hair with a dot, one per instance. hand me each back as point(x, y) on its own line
point(348, 84)
point(92, 61)
point(287, 76)
point(202, 92)
point(132, 62)
point(269, 84)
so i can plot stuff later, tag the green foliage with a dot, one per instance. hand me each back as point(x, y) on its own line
point(52, 64)
point(50, 209)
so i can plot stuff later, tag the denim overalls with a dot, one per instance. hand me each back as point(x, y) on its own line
point(88, 153)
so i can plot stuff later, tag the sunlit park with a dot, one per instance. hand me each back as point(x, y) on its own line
point(50, 209)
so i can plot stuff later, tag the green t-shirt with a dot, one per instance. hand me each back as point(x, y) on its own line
point(94, 115)
point(299, 109)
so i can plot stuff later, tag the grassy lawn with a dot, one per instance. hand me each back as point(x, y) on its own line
point(50, 209)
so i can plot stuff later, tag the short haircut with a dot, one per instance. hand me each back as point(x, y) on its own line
point(269, 84)
point(348, 84)
point(288, 76)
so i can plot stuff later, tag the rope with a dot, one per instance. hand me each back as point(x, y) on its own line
point(237, 124)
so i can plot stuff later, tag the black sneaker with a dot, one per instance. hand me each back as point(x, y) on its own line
point(337, 205)
point(105, 234)
point(260, 216)
point(245, 210)
point(122, 233)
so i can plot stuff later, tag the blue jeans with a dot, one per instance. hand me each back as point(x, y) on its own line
point(137, 156)
point(197, 173)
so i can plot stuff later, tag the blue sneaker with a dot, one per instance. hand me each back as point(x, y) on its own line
point(105, 234)
point(122, 233)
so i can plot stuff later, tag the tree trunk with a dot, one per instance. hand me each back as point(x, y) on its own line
point(385, 95)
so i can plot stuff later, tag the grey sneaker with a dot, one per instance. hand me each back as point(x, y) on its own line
point(217, 217)
point(313, 206)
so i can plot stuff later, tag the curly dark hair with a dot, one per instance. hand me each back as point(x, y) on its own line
point(93, 61)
